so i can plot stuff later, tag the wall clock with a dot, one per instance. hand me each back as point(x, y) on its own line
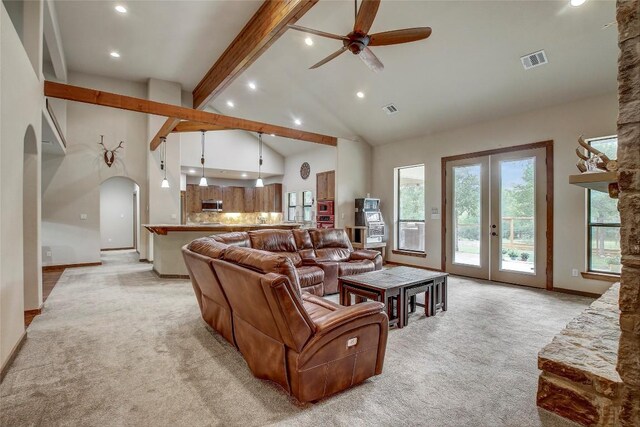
point(305, 170)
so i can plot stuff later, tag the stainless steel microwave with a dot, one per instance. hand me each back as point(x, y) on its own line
point(212, 205)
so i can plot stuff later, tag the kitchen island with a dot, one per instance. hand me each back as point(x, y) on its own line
point(168, 240)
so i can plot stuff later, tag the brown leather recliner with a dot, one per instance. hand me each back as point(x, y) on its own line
point(311, 347)
point(334, 253)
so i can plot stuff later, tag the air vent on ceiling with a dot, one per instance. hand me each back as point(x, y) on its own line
point(533, 60)
point(390, 109)
point(44, 141)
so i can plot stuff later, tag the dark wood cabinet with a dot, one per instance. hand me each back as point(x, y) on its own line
point(326, 185)
point(235, 199)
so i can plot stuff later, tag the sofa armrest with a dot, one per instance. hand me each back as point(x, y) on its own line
point(367, 254)
point(306, 296)
point(347, 314)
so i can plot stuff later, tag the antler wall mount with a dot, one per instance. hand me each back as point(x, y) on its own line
point(109, 155)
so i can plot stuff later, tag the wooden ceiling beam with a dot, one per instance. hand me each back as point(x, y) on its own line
point(187, 126)
point(262, 30)
point(123, 102)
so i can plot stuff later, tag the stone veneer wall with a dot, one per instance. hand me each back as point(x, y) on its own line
point(579, 379)
point(628, 17)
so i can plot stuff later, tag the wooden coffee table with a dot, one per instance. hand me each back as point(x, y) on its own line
point(396, 287)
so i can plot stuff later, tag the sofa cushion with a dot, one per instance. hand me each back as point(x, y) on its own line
point(331, 244)
point(310, 276)
point(236, 238)
point(263, 262)
point(355, 267)
point(304, 244)
point(277, 241)
point(208, 247)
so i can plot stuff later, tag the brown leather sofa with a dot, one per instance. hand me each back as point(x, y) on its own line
point(320, 256)
point(311, 347)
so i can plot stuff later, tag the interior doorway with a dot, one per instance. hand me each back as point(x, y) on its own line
point(498, 215)
point(119, 214)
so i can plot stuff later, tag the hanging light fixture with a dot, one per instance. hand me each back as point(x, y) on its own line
point(259, 182)
point(163, 159)
point(203, 180)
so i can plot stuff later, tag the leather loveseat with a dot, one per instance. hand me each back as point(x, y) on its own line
point(311, 347)
point(320, 256)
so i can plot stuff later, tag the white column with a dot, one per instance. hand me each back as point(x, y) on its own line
point(163, 203)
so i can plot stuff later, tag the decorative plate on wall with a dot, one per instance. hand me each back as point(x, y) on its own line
point(305, 170)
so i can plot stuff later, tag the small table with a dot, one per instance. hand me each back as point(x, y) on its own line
point(397, 287)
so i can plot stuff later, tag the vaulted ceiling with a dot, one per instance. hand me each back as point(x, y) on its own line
point(468, 70)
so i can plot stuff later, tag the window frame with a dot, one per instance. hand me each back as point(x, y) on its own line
point(592, 225)
point(397, 218)
point(289, 206)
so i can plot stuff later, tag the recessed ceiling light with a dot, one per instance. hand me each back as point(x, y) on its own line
point(576, 3)
point(231, 104)
point(360, 94)
point(252, 86)
point(244, 175)
point(121, 9)
point(298, 122)
point(273, 134)
point(192, 171)
point(115, 54)
point(309, 41)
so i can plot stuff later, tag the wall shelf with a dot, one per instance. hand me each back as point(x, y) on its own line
point(598, 181)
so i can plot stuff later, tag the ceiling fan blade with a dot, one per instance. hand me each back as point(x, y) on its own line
point(399, 36)
point(366, 15)
point(371, 60)
point(330, 57)
point(317, 33)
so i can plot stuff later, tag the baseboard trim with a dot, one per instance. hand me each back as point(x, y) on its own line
point(63, 266)
point(579, 293)
point(34, 312)
point(118, 249)
point(13, 355)
point(171, 276)
point(411, 265)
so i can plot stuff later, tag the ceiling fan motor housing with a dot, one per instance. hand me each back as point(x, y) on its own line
point(357, 42)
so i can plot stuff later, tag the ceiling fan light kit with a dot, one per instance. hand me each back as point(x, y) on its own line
point(359, 40)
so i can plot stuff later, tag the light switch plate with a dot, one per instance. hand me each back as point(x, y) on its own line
point(174, 216)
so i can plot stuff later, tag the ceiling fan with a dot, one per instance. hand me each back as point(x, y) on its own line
point(358, 41)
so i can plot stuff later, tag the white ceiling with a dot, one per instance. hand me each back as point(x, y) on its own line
point(468, 70)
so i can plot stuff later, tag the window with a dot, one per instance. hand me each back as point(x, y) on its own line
point(603, 221)
point(410, 209)
point(291, 206)
point(307, 203)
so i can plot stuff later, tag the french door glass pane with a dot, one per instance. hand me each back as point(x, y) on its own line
point(466, 214)
point(605, 249)
point(517, 214)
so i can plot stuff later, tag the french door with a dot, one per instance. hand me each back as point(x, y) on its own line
point(496, 216)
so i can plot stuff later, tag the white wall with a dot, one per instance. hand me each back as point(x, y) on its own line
point(353, 178)
point(321, 158)
point(563, 123)
point(117, 213)
point(230, 150)
point(71, 183)
point(20, 107)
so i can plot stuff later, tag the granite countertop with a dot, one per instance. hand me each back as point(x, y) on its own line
point(163, 229)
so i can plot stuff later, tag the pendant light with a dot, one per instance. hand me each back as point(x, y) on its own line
point(203, 180)
point(163, 159)
point(259, 182)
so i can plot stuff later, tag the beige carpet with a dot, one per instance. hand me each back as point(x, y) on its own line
point(116, 346)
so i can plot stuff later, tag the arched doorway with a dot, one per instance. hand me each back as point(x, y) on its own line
point(32, 271)
point(119, 214)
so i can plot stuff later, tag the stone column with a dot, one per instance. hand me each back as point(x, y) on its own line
point(628, 17)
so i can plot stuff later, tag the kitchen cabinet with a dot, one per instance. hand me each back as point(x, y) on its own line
point(326, 185)
point(235, 199)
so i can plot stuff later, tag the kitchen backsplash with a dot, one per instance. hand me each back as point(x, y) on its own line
point(234, 218)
